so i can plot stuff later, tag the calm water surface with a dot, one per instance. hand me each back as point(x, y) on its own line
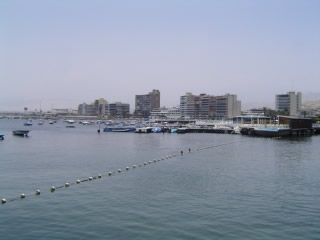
point(255, 188)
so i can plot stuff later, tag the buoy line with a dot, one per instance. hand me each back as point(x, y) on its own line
point(111, 173)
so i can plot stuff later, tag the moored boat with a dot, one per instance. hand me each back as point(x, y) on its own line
point(119, 129)
point(23, 133)
point(1, 136)
point(28, 123)
point(144, 130)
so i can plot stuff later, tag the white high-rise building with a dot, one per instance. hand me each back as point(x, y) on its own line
point(289, 102)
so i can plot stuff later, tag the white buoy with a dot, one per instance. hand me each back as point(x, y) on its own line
point(53, 189)
point(127, 168)
point(174, 155)
point(140, 165)
point(149, 162)
point(155, 160)
point(22, 195)
point(110, 173)
point(38, 192)
point(134, 166)
point(159, 159)
point(78, 181)
point(67, 185)
point(90, 178)
point(3, 201)
point(99, 176)
point(119, 170)
point(145, 163)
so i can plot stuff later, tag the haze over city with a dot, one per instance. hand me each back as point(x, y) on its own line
point(63, 53)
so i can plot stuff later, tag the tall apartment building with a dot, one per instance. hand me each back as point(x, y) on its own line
point(290, 103)
point(203, 106)
point(118, 110)
point(101, 108)
point(97, 108)
point(144, 104)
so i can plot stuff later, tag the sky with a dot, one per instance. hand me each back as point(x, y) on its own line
point(58, 54)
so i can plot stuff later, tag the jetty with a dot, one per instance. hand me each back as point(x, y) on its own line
point(286, 127)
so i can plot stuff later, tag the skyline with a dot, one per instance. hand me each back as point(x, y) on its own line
point(66, 53)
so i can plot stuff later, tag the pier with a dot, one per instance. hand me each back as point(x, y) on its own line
point(288, 126)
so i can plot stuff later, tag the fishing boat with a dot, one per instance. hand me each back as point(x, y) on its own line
point(28, 123)
point(1, 136)
point(23, 133)
point(41, 122)
point(181, 130)
point(119, 129)
point(144, 130)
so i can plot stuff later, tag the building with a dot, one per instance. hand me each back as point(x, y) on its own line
point(146, 103)
point(97, 108)
point(203, 106)
point(165, 113)
point(118, 110)
point(289, 104)
point(101, 108)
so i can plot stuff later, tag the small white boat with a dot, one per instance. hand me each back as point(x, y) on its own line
point(69, 121)
point(144, 130)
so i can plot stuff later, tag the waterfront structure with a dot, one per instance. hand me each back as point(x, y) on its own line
point(251, 119)
point(118, 110)
point(289, 103)
point(203, 106)
point(146, 103)
point(165, 113)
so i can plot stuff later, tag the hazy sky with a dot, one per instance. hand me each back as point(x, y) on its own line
point(61, 53)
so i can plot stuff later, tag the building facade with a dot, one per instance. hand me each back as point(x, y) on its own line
point(204, 106)
point(165, 113)
point(101, 108)
point(146, 103)
point(118, 110)
point(289, 103)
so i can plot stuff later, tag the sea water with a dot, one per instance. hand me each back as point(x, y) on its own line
point(251, 188)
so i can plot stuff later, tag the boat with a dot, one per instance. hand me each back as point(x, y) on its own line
point(1, 136)
point(272, 132)
point(28, 123)
point(69, 121)
point(51, 122)
point(144, 130)
point(119, 129)
point(173, 130)
point(70, 126)
point(156, 129)
point(23, 133)
point(41, 122)
point(181, 130)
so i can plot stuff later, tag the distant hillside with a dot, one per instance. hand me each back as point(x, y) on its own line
point(311, 105)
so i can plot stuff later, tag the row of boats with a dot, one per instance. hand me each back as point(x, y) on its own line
point(145, 129)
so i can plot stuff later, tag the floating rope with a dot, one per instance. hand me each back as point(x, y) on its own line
point(67, 185)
